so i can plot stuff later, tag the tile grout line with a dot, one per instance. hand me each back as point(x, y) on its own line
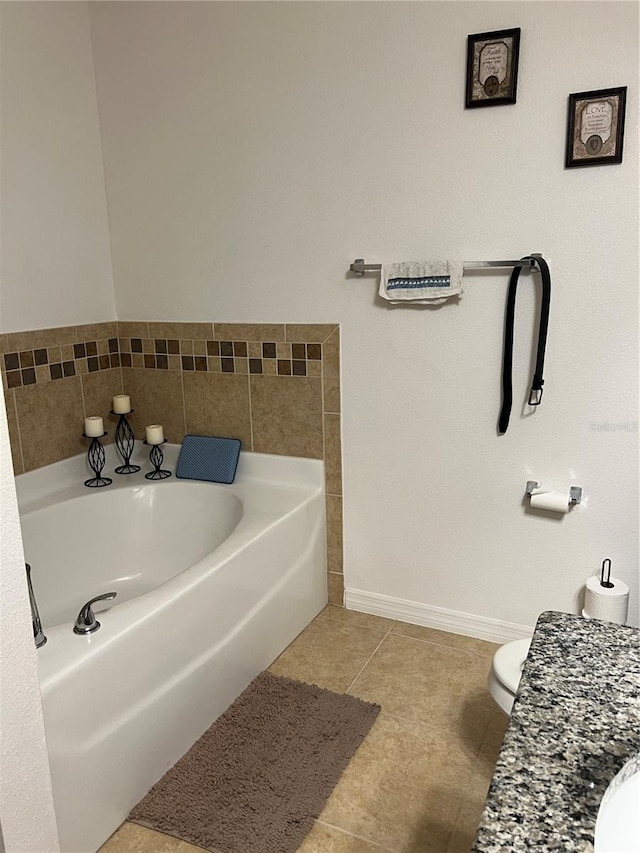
point(84, 405)
point(184, 404)
point(324, 464)
point(442, 645)
point(353, 835)
point(368, 661)
point(383, 631)
point(250, 408)
point(15, 412)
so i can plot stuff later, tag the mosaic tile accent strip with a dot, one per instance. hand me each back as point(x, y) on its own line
point(89, 356)
point(58, 362)
point(212, 356)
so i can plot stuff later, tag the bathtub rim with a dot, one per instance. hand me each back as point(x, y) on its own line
point(65, 478)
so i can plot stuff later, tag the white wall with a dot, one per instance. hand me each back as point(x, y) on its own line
point(56, 260)
point(56, 270)
point(26, 800)
point(253, 150)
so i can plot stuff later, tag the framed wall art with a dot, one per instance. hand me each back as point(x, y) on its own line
point(595, 127)
point(492, 68)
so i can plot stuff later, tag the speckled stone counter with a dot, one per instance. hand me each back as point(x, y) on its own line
point(575, 722)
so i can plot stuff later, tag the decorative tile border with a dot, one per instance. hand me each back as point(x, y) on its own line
point(225, 356)
point(44, 364)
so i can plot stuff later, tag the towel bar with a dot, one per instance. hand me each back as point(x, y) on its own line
point(359, 267)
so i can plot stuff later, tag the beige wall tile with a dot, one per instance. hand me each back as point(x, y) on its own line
point(51, 420)
point(269, 366)
point(218, 404)
point(96, 331)
point(199, 347)
point(156, 398)
point(4, 344)
point(286, 412)
point(132, 329)
point(439, 686)
point(43, 373)
point(314, 368)
point(329, 654)
point(336, 589)
point(334, 533)
point(283, 350)
point(310, 333)
point(248, 331)
point(254, 349)
point(14, 434)
point(190, 331)
point(17, 341)
point(332, 455)
point(403, 787)
point(98, 390)
point(331, 372)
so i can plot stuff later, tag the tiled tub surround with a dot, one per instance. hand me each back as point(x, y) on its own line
point(274, 386)
point(575, 722)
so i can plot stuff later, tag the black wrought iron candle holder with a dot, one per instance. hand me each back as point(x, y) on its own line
point(156, 457)
point(125, 442)
point(96, 459)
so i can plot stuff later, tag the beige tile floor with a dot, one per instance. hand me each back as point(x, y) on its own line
point(418, 782)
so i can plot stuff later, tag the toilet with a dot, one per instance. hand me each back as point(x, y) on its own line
point(505, 673)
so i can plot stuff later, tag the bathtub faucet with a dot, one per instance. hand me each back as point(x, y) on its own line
point(38, 633)
point(86, 623)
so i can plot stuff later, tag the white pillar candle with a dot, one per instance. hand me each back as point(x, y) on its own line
point(154, 434)
point(94, 427)
point(121, 404)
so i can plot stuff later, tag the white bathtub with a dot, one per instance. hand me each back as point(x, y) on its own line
point(213, 582)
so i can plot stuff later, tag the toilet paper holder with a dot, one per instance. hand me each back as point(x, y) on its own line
point(575, 492)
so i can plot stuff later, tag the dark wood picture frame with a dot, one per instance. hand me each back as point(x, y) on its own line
point(492, 68)
point(595, 127)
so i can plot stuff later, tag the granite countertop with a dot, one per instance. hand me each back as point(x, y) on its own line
point(575, 722)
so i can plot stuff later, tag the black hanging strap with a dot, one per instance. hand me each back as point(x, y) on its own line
point(535, 395)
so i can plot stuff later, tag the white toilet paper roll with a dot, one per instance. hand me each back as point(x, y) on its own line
point(609, 603)
point(552, 501)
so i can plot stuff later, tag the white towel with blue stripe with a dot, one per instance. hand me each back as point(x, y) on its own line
point(421, 282)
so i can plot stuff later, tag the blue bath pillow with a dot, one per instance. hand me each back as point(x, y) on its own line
point(204, 457)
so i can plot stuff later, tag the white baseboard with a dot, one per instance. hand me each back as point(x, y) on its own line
point(440, 618)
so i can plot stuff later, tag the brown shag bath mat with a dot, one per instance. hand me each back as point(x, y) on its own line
point(258, 777)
